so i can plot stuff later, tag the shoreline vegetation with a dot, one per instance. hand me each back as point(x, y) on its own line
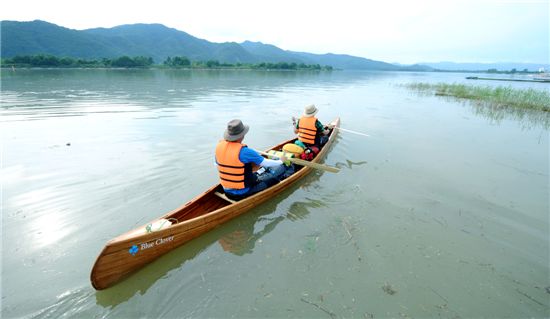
point(495, 97)
point(529, 107)
point(141, 62)
point(182, 62)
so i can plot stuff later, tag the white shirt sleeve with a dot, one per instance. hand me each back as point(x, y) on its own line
point(271, 163)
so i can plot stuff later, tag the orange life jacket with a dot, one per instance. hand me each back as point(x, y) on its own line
point(307, 130)
point(231, 170)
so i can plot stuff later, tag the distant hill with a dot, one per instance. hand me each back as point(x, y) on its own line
point(26, 38)
point(159, 42)
point(453, 66)
point(268, 52)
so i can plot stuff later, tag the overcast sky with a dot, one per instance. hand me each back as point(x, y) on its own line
point(404, 31)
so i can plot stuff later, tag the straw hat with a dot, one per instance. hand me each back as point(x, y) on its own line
point(235, 130)
point(310, 110)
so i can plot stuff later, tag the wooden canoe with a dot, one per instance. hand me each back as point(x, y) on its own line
point(131, 251)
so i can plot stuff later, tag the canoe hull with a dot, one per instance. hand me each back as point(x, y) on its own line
point(131, 251)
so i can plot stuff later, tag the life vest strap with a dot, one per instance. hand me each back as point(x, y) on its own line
point(232, 180)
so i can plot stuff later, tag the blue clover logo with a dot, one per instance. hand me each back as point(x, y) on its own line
point(133, 250)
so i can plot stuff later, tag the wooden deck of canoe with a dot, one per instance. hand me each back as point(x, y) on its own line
point(131, 251)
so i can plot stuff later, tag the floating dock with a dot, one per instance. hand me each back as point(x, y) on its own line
point(541, 80)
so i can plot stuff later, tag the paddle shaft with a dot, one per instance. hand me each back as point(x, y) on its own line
point(306, 163)
point(341, 129)
point(350, 131)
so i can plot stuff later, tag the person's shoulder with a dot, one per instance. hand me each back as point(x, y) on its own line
point(246, 149)
point(249, 155)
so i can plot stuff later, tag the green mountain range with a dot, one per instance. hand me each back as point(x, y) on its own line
point(159, 42)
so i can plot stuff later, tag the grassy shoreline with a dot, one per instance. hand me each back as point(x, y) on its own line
point(493, 96)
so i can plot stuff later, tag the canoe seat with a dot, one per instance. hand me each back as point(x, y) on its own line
point(221, 195)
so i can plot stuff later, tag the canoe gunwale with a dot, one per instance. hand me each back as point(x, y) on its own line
point(282, 184)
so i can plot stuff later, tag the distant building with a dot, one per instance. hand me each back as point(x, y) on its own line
point(541, 70)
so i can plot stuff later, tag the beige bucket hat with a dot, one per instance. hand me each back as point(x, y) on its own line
point(310, 110)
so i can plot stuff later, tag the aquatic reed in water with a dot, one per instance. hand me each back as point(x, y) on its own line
point(493, 96)
point(528, 106)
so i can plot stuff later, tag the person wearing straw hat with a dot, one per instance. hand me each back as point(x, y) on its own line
point(234, 160)
point(309, 129)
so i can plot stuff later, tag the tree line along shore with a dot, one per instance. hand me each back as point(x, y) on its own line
point(177, 62)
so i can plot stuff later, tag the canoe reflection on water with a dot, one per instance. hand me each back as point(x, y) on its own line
point(237, 237)
point(242, 241)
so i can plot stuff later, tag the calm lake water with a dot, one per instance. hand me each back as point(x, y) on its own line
point(442, 212)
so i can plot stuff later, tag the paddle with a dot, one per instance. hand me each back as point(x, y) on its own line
point(306, 163)
point(350, 131)
point(341, 129)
